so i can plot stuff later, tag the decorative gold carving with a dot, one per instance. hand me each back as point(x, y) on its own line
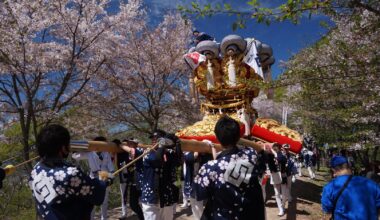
point(222, 95)
point(277, 128)
point(204, 127)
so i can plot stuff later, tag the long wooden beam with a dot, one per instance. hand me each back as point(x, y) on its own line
point(186, 145)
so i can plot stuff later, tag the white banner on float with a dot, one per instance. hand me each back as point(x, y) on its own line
point(251, 57)
point(194, 59)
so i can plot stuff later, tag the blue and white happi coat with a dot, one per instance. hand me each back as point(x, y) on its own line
point(63, 191)
point(158, 182)
point(230, 185)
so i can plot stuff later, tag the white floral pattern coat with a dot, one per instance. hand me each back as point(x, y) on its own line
point(230, 185)
point(63, 191)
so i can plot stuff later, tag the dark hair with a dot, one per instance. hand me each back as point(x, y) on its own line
point(277, 145)
point(51, 140)
point(117, 142)
point(195, 31)
point(158, 133)
point(100, 138)
point(227, 131)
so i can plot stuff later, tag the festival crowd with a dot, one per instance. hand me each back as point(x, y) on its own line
point(229, 184)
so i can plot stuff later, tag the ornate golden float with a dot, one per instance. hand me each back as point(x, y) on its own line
point(228, 76)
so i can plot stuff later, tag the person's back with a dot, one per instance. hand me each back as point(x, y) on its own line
point(232, 182)
point(229, 184)
point(63, 191)
point(60, 190)
point(359, 200)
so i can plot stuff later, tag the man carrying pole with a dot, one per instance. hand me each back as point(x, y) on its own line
point(61, 190)
point(229, 185)
point(98, 162)
point(159, 193)
point(131, 185)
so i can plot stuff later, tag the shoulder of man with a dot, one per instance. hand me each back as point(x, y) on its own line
point(246, 150)
point(365, 182)
point(139, 150)
point(208, 167)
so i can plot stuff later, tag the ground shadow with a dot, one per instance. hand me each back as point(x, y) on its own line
point(302, 190)
point(186, 211)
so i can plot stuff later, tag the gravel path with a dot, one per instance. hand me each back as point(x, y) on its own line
point(306, 202)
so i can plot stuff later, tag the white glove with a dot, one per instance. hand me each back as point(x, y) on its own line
point(293, 179)
point(163, 142)
point(208, 142)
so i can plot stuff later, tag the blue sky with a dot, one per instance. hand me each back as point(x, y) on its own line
point(285, 38)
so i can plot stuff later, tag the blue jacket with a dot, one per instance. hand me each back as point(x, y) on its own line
point(360, 200)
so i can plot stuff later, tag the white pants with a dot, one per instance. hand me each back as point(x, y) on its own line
point(184, 197)
point(155, 212)
point(311, 172)
point(123, 187)
point(183, 186)
point(197, 208)
point(280, 191)
point(299, 169)
point(103, 207)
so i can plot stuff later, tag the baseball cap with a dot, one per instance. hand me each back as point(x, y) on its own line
point(337, 161)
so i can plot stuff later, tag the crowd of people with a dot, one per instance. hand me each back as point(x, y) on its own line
point(229, 184)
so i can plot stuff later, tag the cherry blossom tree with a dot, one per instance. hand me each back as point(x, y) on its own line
point(339, 95)
point(49, 53)
point(145, 86)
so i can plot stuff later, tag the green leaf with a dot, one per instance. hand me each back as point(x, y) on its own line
point(207, 7)
point(253, 3)
point(260, 18)
point(227, 7)
point(194, 5)
point(180, 8)
point(218, 7)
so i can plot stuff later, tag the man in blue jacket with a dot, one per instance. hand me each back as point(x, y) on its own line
point(159, 193)
point(61, 190)
point(348, 196)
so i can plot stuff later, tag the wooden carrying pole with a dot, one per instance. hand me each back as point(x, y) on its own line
point(186, 145)
point(27, 161)
point(134, 160)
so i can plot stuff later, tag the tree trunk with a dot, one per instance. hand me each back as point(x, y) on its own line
point(26, 149)
point(25, 126)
